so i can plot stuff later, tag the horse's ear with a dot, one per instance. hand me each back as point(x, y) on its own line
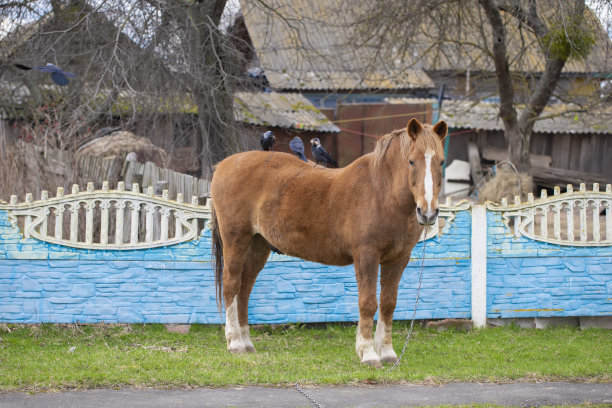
point(441, 129)
point(414, 127)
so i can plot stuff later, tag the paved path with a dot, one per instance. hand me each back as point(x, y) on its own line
point(375, 396)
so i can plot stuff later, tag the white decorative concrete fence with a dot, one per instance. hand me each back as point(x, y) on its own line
point(124, 256)
point(535, 218)
point(120, 231)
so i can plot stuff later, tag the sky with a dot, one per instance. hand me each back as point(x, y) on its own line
point(604, 12)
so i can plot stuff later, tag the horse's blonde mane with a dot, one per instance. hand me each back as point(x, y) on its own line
point(382, 145)
point(426, 138)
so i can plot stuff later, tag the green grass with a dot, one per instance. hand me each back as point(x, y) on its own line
point(39, 358)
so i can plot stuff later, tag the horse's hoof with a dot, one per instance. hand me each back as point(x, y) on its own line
point(237, 349)
point(373, 363)
point(389, 359)
point(250, 349)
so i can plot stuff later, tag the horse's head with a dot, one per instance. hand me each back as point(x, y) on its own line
point(425, 159)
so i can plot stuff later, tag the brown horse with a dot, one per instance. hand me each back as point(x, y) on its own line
point(369, 213)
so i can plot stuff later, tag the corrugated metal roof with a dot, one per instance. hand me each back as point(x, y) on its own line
point(287, 110)
point(312, 80)
point(299, 41)
point(485, 116)
point(302, 45)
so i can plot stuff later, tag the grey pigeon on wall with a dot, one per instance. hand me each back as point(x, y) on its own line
point(320, 155)
point(297, 147)
point(58, 75)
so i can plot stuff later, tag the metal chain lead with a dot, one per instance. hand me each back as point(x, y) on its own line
point(416, 303)
point(307, 395)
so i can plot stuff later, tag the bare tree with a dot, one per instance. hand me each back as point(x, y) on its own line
point(462, 34)
point(164, 67)
point(519, 46)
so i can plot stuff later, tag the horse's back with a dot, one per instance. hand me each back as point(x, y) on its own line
point(279, 197)
point(259, 184)
point(250, 173)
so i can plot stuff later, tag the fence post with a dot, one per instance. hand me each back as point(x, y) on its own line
point(479, 265)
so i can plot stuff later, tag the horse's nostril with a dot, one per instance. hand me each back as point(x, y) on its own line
point(418, 210)
point(437, 212)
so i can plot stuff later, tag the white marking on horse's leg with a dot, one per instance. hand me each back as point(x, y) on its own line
point(428, 180)
point(383, 343)
point(246, 338)
point(232, 328)
point(365, 350)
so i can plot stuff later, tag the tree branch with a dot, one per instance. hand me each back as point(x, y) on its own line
point(548, 81)
point(502, 69)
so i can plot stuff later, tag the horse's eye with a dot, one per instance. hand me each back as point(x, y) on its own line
point(442, 162)
point(411, 162)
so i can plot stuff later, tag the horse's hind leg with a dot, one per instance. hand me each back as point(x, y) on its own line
point(254, 262)
point(390, 276)
point(234, 254)
point(366, 271)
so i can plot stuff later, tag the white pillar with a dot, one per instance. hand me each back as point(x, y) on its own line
point(479, 265)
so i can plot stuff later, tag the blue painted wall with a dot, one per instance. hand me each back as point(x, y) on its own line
point(527, 278)
point(41, 282)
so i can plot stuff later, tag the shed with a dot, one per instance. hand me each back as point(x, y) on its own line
point(575, 138)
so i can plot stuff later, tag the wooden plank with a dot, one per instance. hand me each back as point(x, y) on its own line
point(497, 154)
point(553, 176)
point(585, 155)
point(560, 152)
point(474, 158)
point(574, 153)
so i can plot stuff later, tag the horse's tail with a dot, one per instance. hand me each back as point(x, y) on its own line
point(217, 250)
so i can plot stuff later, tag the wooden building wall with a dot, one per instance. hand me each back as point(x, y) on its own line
point(363, 124)
point(587, 152)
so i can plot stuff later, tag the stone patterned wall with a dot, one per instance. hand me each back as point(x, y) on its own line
point(42, 282)
point(527, 278)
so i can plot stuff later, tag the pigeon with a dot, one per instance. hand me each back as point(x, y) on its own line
point(57, 74)
point(320, 155)
point(297, 146)
point(267, 140)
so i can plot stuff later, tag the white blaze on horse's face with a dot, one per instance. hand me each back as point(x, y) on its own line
point(427, 187)
point(428, 180)
point(426, 158)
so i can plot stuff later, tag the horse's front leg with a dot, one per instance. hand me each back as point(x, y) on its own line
point(390, 275)
point(366, 271)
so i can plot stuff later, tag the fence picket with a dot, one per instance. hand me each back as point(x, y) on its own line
point(517, 219)
point(28, 218)
point(44, 196)
point(544, 217)
point(557, 215)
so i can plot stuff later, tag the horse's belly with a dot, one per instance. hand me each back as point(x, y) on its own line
point(326, 259)
point(309, 246)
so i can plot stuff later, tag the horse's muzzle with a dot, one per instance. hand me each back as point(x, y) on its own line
point(427, 218)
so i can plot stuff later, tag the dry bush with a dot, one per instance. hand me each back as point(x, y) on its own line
point(506, 184)
point(119, 143)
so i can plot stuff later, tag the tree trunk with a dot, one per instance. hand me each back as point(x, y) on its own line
point(518, 131)
point(518, 148)
point(219, 64)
